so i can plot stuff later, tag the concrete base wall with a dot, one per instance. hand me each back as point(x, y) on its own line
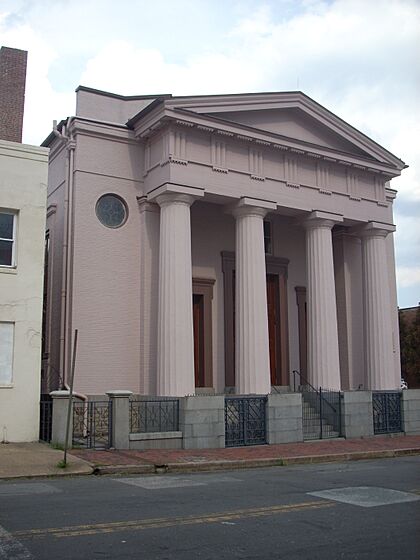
point(284, 418)
point(357, 415)
point(202, 422)
point(411, 411)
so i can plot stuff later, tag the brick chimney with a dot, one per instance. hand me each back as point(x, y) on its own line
point(12, 93)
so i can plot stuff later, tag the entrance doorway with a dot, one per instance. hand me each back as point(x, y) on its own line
point(274, 334)
point(198, 321)
point(202, 324)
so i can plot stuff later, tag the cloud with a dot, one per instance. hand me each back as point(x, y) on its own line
point(408, 276)
point(345, 54)
point(42, 102)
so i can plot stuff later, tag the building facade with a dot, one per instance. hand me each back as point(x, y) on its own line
point(23, 195)
point(213, 244)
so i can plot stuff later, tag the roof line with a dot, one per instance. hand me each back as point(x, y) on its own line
point(122, 97)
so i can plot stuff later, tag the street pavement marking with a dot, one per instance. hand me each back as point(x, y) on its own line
point(141, 524)
point(366, 496)
point(11, 548)
point(164, 482)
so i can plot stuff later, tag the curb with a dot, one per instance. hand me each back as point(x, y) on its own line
point(124, 469)
point(47, 475)
point(225, 464)
point(252, 463)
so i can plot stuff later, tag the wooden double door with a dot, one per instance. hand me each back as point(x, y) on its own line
point(277, 332)
point(202, 323)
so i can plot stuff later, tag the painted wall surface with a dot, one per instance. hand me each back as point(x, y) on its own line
point(111, 108)
point(57, 173)
point(106, 273)
point(23, 189)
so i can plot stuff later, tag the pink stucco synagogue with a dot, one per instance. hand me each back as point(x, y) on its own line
point(212, 244)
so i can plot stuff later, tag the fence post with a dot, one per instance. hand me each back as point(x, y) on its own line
point(320, 413)
point(59, 419)
point(120, 428)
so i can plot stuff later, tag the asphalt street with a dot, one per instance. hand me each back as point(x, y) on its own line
point(354, 510)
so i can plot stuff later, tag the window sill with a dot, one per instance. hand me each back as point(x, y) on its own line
point(8, 269)
point(11, 386)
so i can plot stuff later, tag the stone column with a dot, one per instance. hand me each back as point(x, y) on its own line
point(59, 418)
point(323, 357)
point(175, 345)
point(379, 359)
point(251, 322)
point(120, 418)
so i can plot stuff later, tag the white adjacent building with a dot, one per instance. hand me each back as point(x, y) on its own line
point(23, 186)
point(217, 243)
point(23, 195)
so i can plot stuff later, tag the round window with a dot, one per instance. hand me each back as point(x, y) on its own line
point(111, 211)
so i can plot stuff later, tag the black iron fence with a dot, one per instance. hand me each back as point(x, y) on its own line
point(45, 418)
point(245, 421)
point(321, 410)
point(387, 417)
point(154, 415)
point(92, 424)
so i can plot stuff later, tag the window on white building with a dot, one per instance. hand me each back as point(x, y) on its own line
point(6, 353)
point(7, 238)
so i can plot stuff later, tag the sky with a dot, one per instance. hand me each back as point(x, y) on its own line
point(358, 58)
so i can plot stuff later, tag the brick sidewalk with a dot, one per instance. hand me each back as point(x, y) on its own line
point(327, 450)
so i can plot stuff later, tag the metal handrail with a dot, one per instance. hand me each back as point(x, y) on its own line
point(318, 391)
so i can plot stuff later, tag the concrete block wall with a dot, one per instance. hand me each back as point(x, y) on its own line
point(284, 418)
point(156, 440)
point(202, 422)
point(411, 411)
point(357, 415)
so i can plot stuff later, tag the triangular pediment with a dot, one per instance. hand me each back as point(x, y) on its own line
point(290, 115)
point(294, 124)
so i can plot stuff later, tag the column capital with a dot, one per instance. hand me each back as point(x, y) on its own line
point(319, 219)
point(247, 206)
point(170, 192)
point(60, 394)
point(174, 198)
point(119, 393)
point(146, 206)
point(374, 229)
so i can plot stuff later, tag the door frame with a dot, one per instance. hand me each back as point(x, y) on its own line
point(303, 329)
point(276, 266)
point(204, 287)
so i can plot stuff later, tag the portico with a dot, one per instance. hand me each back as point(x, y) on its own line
point(258, 240)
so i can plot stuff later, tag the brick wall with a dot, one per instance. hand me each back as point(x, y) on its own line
point(12, 93)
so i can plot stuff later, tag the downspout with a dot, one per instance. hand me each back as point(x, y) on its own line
point(70, 146)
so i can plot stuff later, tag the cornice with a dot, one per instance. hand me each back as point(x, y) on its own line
point(243, 133)
point(296, 186)
point(285, 100)
point(109, 131)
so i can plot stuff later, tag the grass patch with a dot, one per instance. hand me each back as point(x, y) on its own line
point(61, 464)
